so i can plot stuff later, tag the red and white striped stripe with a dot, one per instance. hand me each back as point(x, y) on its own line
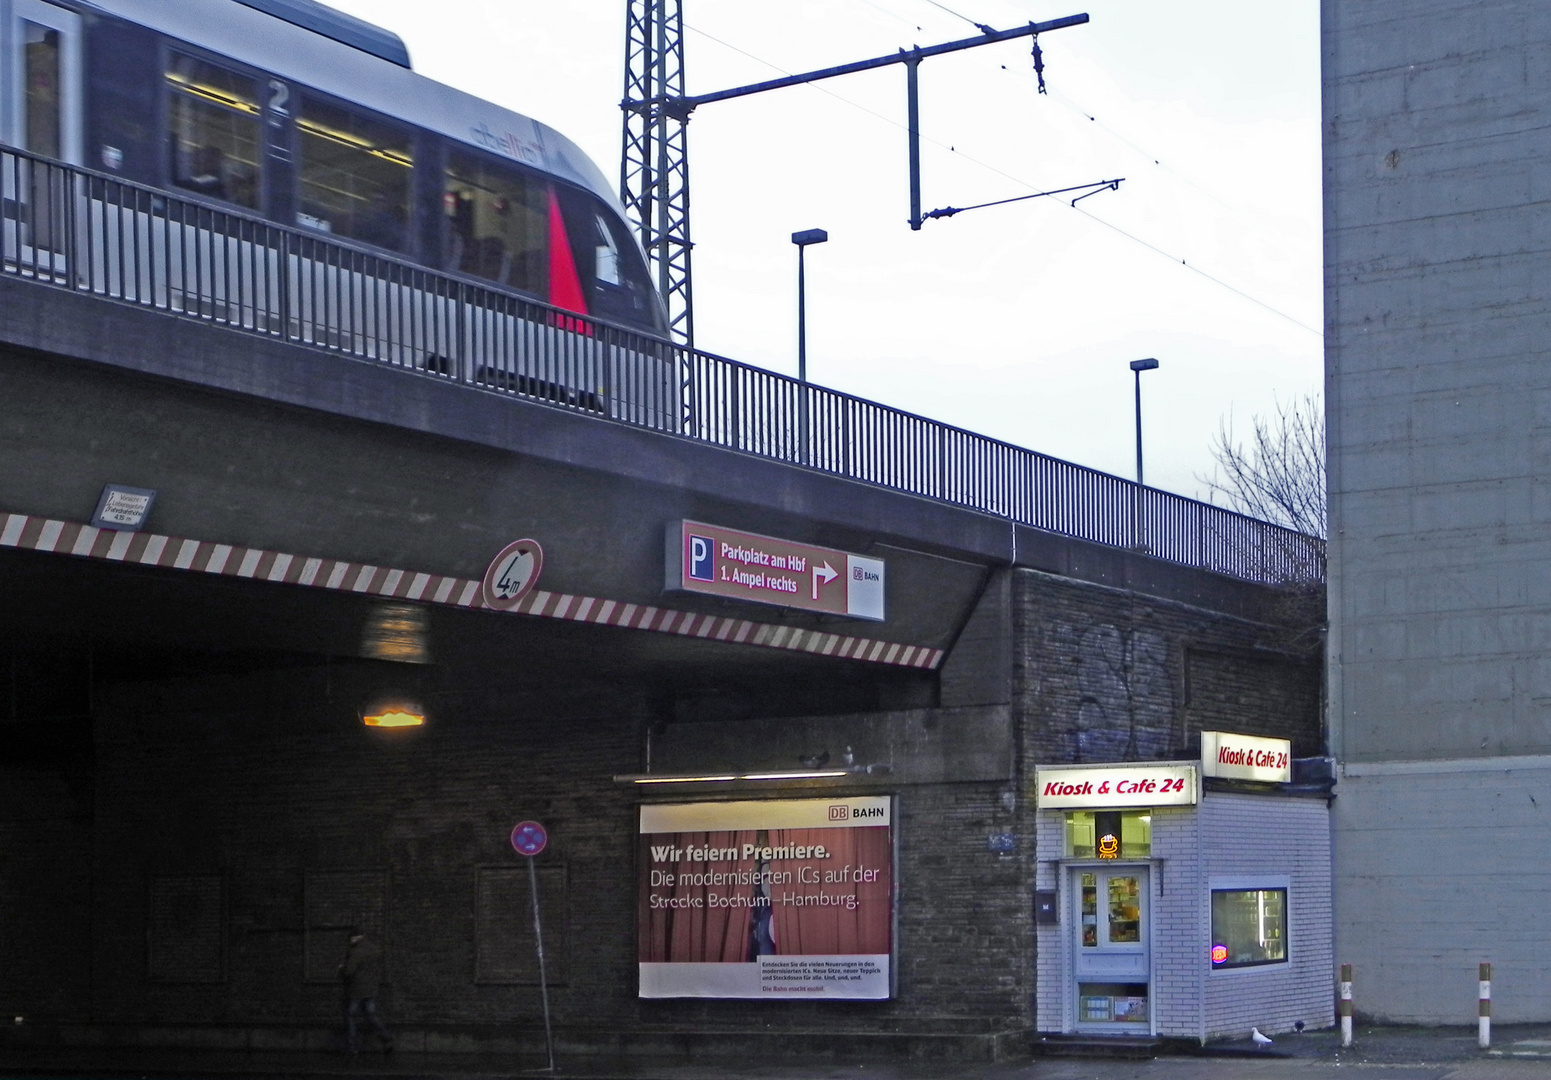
point(202, 556)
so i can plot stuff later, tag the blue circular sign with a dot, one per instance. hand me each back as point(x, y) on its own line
point(529, 838)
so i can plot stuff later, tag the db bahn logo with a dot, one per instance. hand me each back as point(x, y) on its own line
point(840, 813)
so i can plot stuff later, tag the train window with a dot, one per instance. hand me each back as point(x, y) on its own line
point(498, 225)
point(214, 131)
point(42, 59)
point(355, 176)
point(605, 252)
point(613, 277)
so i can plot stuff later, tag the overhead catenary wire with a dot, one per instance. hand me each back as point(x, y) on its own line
point(896, 17)
point(1179, 260)
point(1072, 105)
point(1143, 152)
point(982, 27)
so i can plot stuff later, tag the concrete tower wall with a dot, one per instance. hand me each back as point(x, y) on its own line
point(1437, 173)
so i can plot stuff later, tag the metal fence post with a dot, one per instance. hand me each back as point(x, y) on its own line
point(1346, 1004)
point(1484, 1008)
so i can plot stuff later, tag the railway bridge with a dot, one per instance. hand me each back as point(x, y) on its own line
point(340, 447)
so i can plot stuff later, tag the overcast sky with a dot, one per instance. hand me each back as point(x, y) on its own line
point(1015, 321)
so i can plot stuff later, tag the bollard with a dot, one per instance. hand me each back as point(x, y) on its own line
point(1346, 1004)
point(1484, 1008)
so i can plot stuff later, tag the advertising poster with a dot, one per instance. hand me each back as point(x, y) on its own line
point(790, 898)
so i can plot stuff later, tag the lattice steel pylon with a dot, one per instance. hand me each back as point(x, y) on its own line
point(654, 158)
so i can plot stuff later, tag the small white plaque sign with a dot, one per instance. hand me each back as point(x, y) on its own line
point(123, 509)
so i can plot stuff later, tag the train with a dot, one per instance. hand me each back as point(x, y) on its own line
point(293, 113)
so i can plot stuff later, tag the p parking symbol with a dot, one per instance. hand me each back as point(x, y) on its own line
point(701, 561)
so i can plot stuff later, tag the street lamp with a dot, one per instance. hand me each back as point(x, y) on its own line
point(802, 240)
point(1140, 366)
point(393, 712)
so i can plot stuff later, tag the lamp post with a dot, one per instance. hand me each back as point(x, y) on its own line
point(1138, 509)
point(802, 240)
point(1140, 366)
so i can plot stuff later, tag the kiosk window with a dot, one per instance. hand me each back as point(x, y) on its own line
point(498, 225)
point(1249, 926)
point(213, 136)
point(1090, 911)
point(1109, 834)
point(1125, 911)
point(355, 175)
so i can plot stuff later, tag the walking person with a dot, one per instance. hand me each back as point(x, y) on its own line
point(361, 974)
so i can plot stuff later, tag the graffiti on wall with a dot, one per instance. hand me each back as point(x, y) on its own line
point(1126, 707)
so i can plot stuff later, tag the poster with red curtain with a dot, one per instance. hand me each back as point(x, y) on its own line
point(766, 899)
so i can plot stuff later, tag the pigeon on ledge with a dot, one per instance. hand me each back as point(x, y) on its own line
point(1260, 1041)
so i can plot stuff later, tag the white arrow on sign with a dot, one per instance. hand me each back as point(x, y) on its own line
point(822, 575)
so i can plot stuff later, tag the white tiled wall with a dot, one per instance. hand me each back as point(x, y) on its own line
point(1244, 835)
point(1052, 949)
point(1179, 922)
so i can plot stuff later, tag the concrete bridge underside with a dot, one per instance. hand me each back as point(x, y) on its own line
point(183, 727)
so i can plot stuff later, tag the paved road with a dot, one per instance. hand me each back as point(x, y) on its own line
point(1520, 1053)
point(1192, 1068)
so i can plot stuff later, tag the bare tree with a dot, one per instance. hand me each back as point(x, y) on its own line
point(1279, 474)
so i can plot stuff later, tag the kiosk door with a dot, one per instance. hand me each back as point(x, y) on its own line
point(1112, 969)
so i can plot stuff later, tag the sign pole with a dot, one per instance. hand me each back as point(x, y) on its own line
point(538, 941)
point(529, 838)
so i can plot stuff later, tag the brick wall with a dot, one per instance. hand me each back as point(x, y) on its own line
point(1107, 675)
point(259, 801)
point(242, 816)
point(1102, 675)
point(46, 812)
point(269, 784)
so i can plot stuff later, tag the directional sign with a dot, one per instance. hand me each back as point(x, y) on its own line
point(529, 838)
point(766, 570)
point(512, 573)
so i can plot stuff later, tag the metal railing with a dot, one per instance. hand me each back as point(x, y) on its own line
point(89, 232)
